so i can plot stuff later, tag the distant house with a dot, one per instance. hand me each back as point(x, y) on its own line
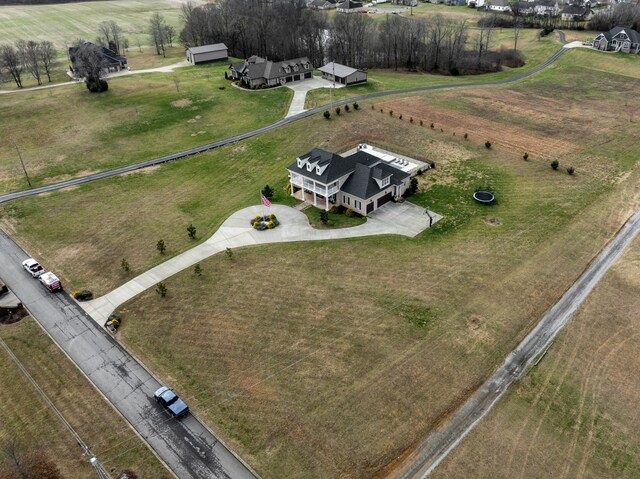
point(362, 181)
point(546, 8)
point(343, 74)
point(618, 39)
point(349, 6)
point(522, 8)
point(111, 61)
point(477, 3)
point(322, 4)
point(256, 71)
point(207, 53)
point(499, 6)
point(408, 3)
point(576, 13)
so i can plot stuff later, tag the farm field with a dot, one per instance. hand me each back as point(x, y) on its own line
point(574, 414)
point(535, 51)
point(62, 24)
point(140, 117)
point(28, 420)
point(324, 345)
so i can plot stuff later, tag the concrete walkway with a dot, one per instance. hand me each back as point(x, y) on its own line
point(300, 89)
point(393, 218)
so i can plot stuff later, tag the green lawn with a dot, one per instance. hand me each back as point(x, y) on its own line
point(140, 117)
point(300, 354)
point(535, 51)
point(335, 220)
point(63, 23)
point(27, 418)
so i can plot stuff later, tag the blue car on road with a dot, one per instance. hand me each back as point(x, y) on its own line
point(170, 400)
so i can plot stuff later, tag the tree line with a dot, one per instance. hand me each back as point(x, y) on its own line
point(34, 58)
point(283, 30)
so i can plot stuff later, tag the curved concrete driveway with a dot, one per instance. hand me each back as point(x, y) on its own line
point(300, 89)
point(393, 218)
point(264, 129)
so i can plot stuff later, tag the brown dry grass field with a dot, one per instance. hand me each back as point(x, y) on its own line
point(27, 418)
point(575, 414)
point(331, 359)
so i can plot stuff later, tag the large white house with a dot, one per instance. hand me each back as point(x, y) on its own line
point(362, 181)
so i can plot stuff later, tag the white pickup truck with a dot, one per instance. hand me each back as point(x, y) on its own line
point(50, 281)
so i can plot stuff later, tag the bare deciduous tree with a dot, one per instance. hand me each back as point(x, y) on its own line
point(47, 55)
point(12, 63)
point(29, 52)
point(157, 30)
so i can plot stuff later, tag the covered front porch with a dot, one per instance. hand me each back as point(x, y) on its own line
point(312, 198)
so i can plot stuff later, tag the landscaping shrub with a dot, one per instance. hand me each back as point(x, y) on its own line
point(229, 253)
point(197, 269)
point(267, 191)
point(555, 164)
point(421, 122)
point(124, 264)
point(571, 170)
point(349, 213)
point(411, 119)
point(272, 217)
point(271, 225)
point(115, 323)
point(346, 108)
point(222, 88)
point(432, 126)
point(390, 112)
point(400, 117)
point(83, 295)
point(115, 316)
point(97, 86)
point(338, 110)
point(356, 106)
point(466, 135)
point(324, 217)
point(161, 247)
point(487, 145)
point(327, 115)
point(525, 157)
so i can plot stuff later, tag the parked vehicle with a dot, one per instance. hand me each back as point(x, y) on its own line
point(50, 281)
point(167, 398)
point(33, 267)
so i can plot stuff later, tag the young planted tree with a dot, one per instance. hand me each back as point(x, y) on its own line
point(525, 157)
point(124, 264)
point(229, 253)
point(161, 247)
point(161, 289)
point(338, 110)
point(169, 34)
point(487, 145)
point(12, 63)
point(197, 270)
point(324, 217)
point(327, 115)
point(89, 64)
point(555, 164)
point(191, 231)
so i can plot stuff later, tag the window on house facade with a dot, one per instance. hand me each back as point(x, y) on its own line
point(385, 181)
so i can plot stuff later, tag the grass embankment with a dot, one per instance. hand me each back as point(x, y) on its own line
point(574, 414)
point(63, 23)
point(535, 52)
point(334, 220)
point(27, 418)
point(64, 132)
point(324, 345)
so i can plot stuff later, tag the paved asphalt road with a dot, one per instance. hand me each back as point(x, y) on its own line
point(438, 444)
point(185, 445)
point(273, 126)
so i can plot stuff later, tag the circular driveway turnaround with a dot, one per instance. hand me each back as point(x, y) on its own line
point(264, 129)
point(404, 219)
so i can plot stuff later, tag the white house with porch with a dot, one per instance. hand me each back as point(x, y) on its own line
point(362, 181)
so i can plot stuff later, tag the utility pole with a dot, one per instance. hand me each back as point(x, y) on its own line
point(102, 474)
point(22, 162)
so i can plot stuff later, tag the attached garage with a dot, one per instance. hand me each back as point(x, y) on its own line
point(384, 199)
point(207, 53)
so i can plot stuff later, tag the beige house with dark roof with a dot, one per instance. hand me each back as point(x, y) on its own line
point(256, 71)
point(362, 181)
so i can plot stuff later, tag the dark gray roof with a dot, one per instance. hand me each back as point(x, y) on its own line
point(632, 34)
point(362, 182)
point(216, 47)
point(348, 4)
point(109, 57)
point(337, 166)
point(256, 67)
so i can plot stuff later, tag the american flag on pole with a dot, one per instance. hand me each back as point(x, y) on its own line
point(265, 200)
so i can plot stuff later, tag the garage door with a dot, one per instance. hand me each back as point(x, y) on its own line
point(384, 199)
point(370, 207)
point(307, 75)
point(296, 77)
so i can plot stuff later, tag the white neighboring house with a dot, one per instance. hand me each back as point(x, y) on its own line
point(576, 13)
point(362, 181)
point(207, 53)
point(477, 3)
point(546, 8)
point(499, 6)
point(343, 74)
point(618, 39)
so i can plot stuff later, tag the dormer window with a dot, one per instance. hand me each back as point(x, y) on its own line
point(296, 68)
point(318, 170)
point(386, 181)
